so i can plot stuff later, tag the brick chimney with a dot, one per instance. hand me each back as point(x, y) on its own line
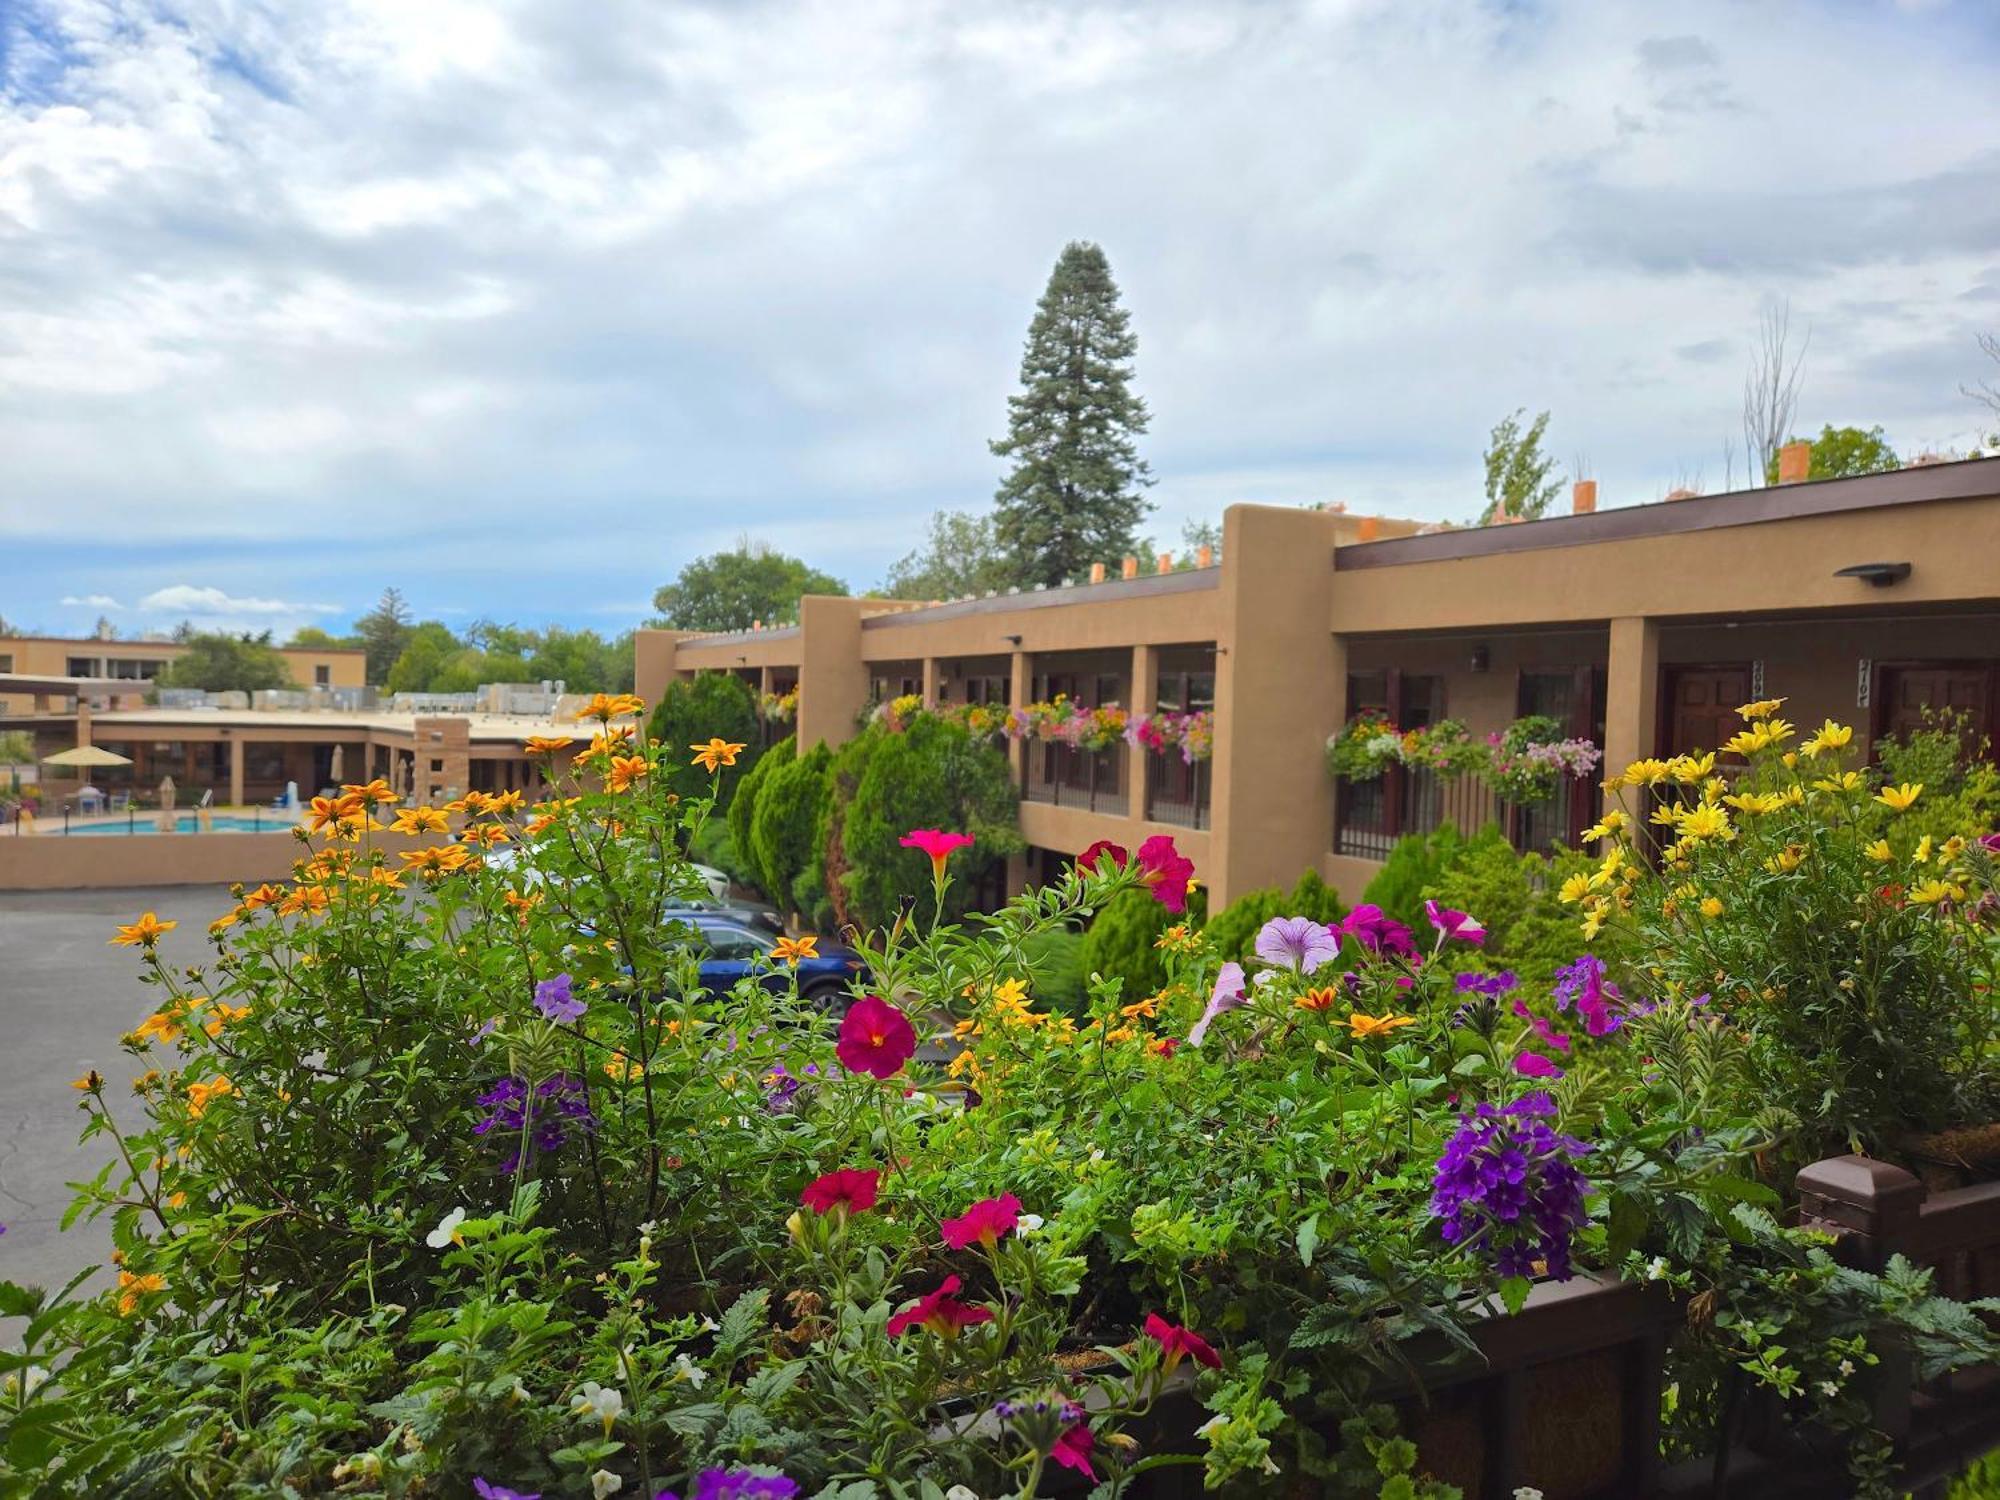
point(1369, 528)
point(1583, 497)
point(1097, 572)
point(1129, 568)
point(1795, 462)
point(1165, 563)
point(1204, 556)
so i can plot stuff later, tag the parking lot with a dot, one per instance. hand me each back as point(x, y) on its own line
point(66, 996)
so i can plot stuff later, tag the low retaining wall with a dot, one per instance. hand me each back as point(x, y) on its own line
point(51, 862)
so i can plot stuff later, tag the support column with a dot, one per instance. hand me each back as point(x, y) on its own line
point(235, 771)
point(1145, 697)
point(1631, 694)
point(930, 682)
point(1020, 683)
point(833, 677)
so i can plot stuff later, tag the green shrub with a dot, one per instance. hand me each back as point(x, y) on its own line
point(786, 818)
point(932, 775)
point(1411, 869)
point(1948, 758)
point(1119, 944)
point(711, 704)
point(743, 810)
point(1528, 929)
point(1233, 930)
point(1056, 967)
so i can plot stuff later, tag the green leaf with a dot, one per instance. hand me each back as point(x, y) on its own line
point(1514, 1293)
point(1308, 1239)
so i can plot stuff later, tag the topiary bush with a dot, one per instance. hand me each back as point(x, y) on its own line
point(1233, 930)
point(785, 821)
point(1528, 929)
point(931, 775)
point(696, 711)
point(1121, 941)
point(1412, 867)
point(743, 810)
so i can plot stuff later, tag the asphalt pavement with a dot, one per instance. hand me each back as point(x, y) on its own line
point(66, 997)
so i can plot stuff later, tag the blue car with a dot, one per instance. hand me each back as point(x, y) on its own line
point(736, 947)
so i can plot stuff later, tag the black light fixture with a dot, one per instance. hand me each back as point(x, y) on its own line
point(1881, 575)
point(1013, 640)
point(1481, 658)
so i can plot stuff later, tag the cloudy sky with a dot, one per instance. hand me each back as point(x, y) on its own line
point(520, 306)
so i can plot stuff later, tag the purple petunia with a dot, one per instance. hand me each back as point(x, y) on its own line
point(1227, 995)
point(1455, 926)
point(1492, 986)
point(486, 1490)
point(1297, 943)
point(1369, 927)
point(1583, 982)
point(1507, 1186)
point(736, 1484)
point(554, 1000)
point(543, 1115)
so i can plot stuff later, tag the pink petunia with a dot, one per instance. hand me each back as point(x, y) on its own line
point(1177, 1344)
point(1227, 995)
point(1456, 926)
point(1534, 1065)
point(1072, 1450)
point(985, 1223)
point(852, 1190)
point(1168, 872)
point(941, 1312)
point(937, 845)
point(1100, 853)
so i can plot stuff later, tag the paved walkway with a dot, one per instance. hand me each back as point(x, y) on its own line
point(66, 997)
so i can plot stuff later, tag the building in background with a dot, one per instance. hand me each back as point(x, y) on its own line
point(109, 672)
point(1867, 600)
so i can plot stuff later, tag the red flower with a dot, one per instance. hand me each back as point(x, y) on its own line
point(1072, 1450)
point(1167, 872)
point(1177, 1344)
point(875, 1037)
point(851, 1190)
point(940, 1312)
point(1103, 848)
point(937, 845)
point(983, 1223)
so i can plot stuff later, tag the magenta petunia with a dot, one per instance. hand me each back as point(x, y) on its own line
point(941, 1312)
point(1072, 1450)
point(1177, 1344)
point(936, 844)
point(1534, 1065)
point(1167, 872)
point(1099, 854)
point(853, 1190)
point(875, 1037)
point(1456, 926)
point(986, 1223)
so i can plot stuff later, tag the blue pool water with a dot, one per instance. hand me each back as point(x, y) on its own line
point(185, 822)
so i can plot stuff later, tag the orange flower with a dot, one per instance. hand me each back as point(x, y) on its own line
point(1367, 1027)
point(1319, 999)
point(304, 898)
point(471, 802)
point(521, 904)
point(438, 859)
point(717, 752)
point(159, 1026)
point(621, 1069)
point(1149, 1007)
point(143, 933)
point(224, 1014)
point(223, 923)
point(547, 744)
point(504, 802)
point(131, 1288)
point(421, 820)
point(373, 793)
point(327, 810)
point(791, 950)
point(608, 706)
point(202, 1094)
point(486, 835)
point(90, 1083)
point(626, 771)
point(537, 823)
point(264, 895)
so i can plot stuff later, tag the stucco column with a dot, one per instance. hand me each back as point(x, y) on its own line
point(1020, 683)
point(1631, 694)
point(833, 677)
point(653, 665)
point(930, 682)
point(1279, 685)
point(235, 771)
point(1145, 696)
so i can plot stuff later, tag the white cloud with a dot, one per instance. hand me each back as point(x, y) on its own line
point(90, 601)
point(202, 603)
point(583, 300)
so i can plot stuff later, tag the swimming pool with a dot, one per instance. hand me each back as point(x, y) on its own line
point(187, 822)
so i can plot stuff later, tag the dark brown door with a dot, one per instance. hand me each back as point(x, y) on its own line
point(1911, 691)
point(1701, 707)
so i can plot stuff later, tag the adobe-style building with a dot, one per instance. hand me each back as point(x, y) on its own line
point(112, 671)
point(1865, 600)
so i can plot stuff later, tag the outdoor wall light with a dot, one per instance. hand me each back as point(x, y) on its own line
point(1013, 640)
point(1881, 575)
point(1481, 659)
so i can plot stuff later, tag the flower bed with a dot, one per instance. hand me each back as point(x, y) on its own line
point(448, 1178)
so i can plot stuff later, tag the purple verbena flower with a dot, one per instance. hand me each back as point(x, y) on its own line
point(1507, 1187)
point(486, 1490)
point(737, 1484)
point(544, 1115)
point(1297, 943)
point(1584, 982)
point(554, 1000)
point(1492, 986)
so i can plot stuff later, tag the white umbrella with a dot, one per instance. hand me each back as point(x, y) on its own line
point(87, 755)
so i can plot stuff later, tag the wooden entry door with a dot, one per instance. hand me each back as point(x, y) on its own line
point(1701, 707)
point(1907, 691)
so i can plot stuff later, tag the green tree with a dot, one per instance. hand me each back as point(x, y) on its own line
point(732, 590)
point(698, 710)
point(582, 660)
point(783, 828)
point(1519, 474)
point(1839, 452)
point(932, 775)
point(962, 556)
point(1074, 495)
point(743, 806)
point(311, 638)
point(220, 663)
point(384, 632)
point(428, 650)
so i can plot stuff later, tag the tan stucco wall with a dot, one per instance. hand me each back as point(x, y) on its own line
point(52, 862)
point(48, 656)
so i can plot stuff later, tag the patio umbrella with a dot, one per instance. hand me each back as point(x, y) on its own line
point(86, 755)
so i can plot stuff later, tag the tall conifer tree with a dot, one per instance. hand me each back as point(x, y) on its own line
point(1076, 492)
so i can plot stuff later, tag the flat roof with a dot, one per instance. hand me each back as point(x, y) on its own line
point(1146, 585)
point(111, 724)
point(168, 643)
point(1967, 479)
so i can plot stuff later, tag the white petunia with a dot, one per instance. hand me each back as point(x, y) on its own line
point(604, 1482)
point(1028, 1224)
point(601, 1402)
point(686, 1369)
point(1656, 1268)
point(1846, 1368)
point(1527, 1492)
point(447, 1231)
point(959, 1492)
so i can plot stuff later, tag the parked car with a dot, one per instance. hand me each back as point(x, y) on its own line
point(734, 909)
point(734, 946)
point(505, 857)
